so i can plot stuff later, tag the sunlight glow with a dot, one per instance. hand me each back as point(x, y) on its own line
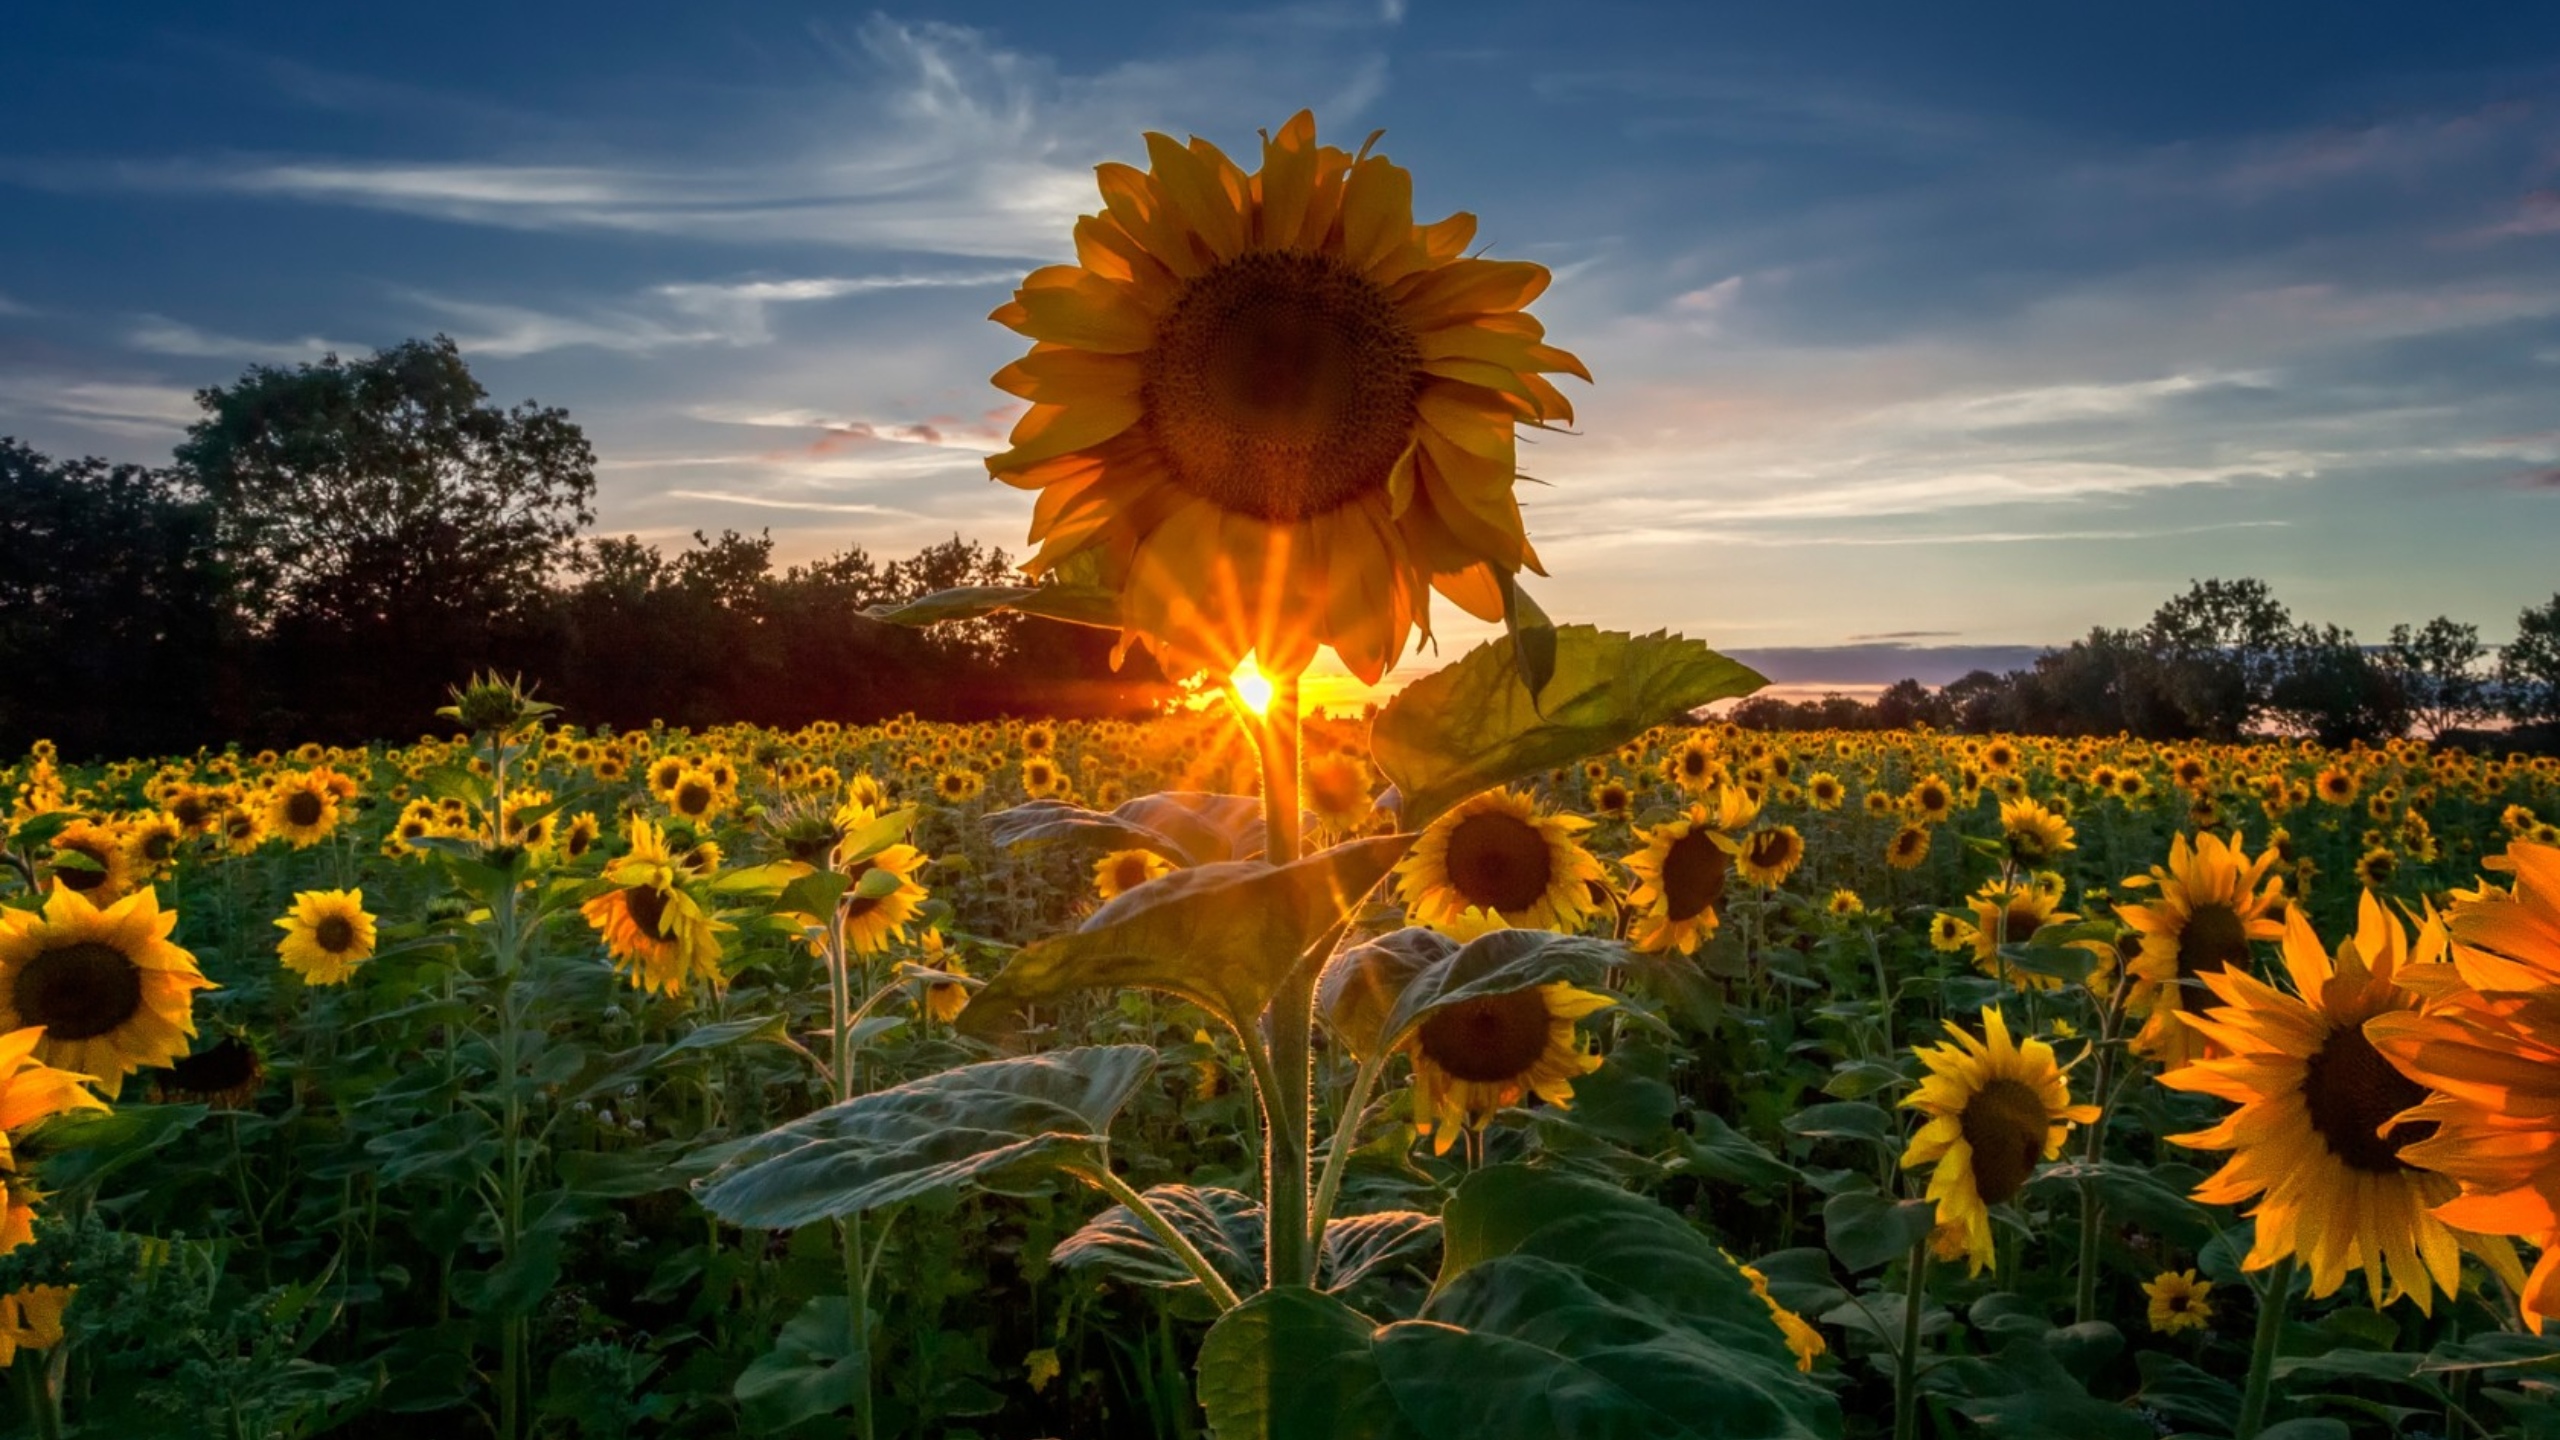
point(1251, 686)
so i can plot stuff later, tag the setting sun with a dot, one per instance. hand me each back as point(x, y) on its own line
point(1252, 687)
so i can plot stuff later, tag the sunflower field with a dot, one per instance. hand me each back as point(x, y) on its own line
point(1525, 1056)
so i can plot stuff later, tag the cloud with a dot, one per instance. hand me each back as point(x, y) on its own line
point(162, 336)
point(12, 307)
point(830, 507)
point(109, 406)
point(740, 309)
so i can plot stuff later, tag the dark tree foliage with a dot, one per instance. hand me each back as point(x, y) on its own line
point(2335, 691)
point(2529, 667)
point(2437, 667)
point(112, 604)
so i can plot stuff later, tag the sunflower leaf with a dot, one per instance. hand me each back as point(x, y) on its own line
point(1499, 963)
point(1867, 1230)
point(1222, 936)
point(1185, 827)
point(1292, 1364)
point(1533, 637)
point(1226, 1226)
point(983, 1124)
point(1075, 604)
point(1475, 724)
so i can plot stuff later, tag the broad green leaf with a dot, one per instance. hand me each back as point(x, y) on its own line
point(1532, 634)
point(1474, 725)
point(1292, 1364)
point(1844, 1120)
point(2182, 1392)
point(1719, 1152)
point(1867, 1230)
point(1185, 827)
point(2023, 1393)
point(2309, 1427)
point(982, 1124)
point(1075, 604)
point(1358, 1246)
point(817, 1366)
point(1225, 1225)
point(1222, 936)
point(1499, 962)
point(514, 1286)
point(814, 895)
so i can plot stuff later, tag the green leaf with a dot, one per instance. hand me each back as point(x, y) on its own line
point(1475, 725)
point(2307, 1428)
point(1499, 962)
point(1844, 1120)
point(1291, 1364)
point(1719, 1152)
point(816, 1367)
point(1075, 604)
point(1225, 1225)
point(1185, 827)
point(1533, 636)
point(1222, 936)
point(1358, 1246)
point(983, 1124)
point(1866, 1229)
point(814, 895)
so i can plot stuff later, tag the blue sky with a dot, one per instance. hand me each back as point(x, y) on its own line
point(1931, 325)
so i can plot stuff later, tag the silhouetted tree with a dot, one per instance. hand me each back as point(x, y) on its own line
point(2529, 667)
point(2336, 692)
point(2221, 647)
point(2437, 667)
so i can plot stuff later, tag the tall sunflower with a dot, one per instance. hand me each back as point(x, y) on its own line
point(1497, 853)
point(1682, 870)
point(652, 926)
point(2010, 912)
point(111, 992)
point(302, 808)
point(2488, 1048)
point(885, 895)
point(2212, 901)
point(2319, 1137)
point(1477, 1056)
point(327, 934)
point(1996, 1107)
point(1274, 411)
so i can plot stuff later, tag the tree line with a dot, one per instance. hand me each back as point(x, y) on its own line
point(334, 543)
point(2227, 660)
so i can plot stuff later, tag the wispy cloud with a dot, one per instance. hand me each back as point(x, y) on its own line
point(13, 307)
point(114, 407)
point(766, 502)
point(160, 335)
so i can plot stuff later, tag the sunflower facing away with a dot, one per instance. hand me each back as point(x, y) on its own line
point(2212, 901)
point(1496, 853)
point(2318, 1138)
point(2488, 1046)
point(1273, 410)
point(327, 934)
point(1477, 1056)
point(1995, 1108)
point(651, 926)
point(111, 991)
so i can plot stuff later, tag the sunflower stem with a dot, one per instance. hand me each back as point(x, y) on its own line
point(1346, 1138)
point(2272, 1305)
point(1288, 1256)
point(1906, 1359)
point(1220, 1292)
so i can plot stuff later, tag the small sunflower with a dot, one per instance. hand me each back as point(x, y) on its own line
point(327, 934)
point(2376, 867)
point(1845, 904)
point(31, 1319)
point(2335, 786)
point(1477, 1056)
point(1682, 870)
point(2319, 1135)
point(872, 921)
point(1769, 855)
point(2036, 837)
point(1124, 870)
point(1908, 848)
point(153, 843)
point(1995, 1108)
point(94, 859)
point(1693, 767)
point(652, 926)
point(111, 991)
point(2010, 912)
point(1612, 799)
point(1497, 853)
point(302, 808)
point(1337, 787)
point(1824, 790)
point(2179, 1301)
point(1930, 801)
point(2213, 900)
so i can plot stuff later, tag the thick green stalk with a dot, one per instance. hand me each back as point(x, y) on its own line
point(857, 1273)
point(1906, 1360)
point(2272, 1304)
point(1288, 1120)
point(1220, 1292)
point(1346, 1138)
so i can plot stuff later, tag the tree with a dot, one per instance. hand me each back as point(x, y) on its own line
point(2221, 648)
point(2437, 667)
point(2529, 667)
point(384, 524)
point(2335, 691)
point(110, 606)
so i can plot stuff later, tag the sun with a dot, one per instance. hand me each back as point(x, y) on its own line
point(1253, 689)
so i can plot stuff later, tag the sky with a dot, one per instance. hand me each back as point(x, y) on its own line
point(1920, 333)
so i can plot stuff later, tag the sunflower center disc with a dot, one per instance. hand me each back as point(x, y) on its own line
point(1693, 872)
point(1490, 1040)
point(2020, 923)
point(78, 991)
point(1130, 873)
point(648, 907)
point(302, 808)
point(2214, 939)
point(1771, 849)
point(336, 934)
point(693, 797)
point(2352, 1092)
point(2005, 1124)
point(1281, 385)
point(1499, 863)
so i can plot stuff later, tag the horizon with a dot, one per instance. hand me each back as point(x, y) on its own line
point(1932, 336)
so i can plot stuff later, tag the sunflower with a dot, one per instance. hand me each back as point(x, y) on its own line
point(1125, 870)
point(696, 795)
point(302, 808)
point(327, 934)
point(872, 921)
point(225, 1075)
point(1931, 801)
point(1040, 777)
point(1612, 799)
point(1995, 1108)
point(2133, 785)
point(93, 859)
point(664, 772)
point(943, 999)
point(1824, 790)
point(2376, 867)
point(1681, 872)
point(2335, 786)
point(958, 786)
point(1336, 786)
point(580, 837)
point(1908, 847)
point(2010, 912)
point(111, 991)
point(1496, 852)
point(153, 842)
point(1693, 766)
point(652, 927)
point(1473, 1058)
point(2488, 1048)
point(1770, 855)
point(2036, 837)
point(2179, 1301)
point(31, 1319)
point(2213, 900)
point(1845, 904)
point(1275, 410)
point(2318, 1137)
